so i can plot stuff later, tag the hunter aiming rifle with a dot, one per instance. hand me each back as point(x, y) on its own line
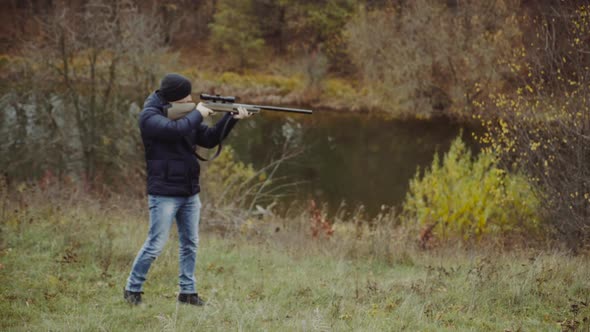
point(223, 104)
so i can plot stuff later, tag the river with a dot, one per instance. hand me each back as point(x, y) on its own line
point(354, 158)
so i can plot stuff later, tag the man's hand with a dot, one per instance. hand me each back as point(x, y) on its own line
point(204, 110)
point(242, 113)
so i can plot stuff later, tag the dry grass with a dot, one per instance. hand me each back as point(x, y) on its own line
point(65, 257)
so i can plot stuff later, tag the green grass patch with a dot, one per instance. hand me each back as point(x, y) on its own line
point(251, 82)
point(65, 269)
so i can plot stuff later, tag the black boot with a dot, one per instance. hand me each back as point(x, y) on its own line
point(193, 299)
point(132, 297)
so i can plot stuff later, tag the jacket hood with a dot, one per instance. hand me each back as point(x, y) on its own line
point(156, 101)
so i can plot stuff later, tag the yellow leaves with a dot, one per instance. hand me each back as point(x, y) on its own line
point(13, 221)
point(22, 187)
point(285, 84)
point(339, 88)
point(247, 226)
point(53, 281)
point(470, 197)
point(514, 67)
point(374, 310)
point(106, 141)
point(503, 126)
point(230, 174)
point(345, 316)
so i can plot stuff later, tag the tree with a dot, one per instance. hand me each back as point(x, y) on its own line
point(235, 32)
point(542, 125)
point(78, 81)
point(425, 57)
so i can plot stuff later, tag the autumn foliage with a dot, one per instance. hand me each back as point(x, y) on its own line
point(320, 227)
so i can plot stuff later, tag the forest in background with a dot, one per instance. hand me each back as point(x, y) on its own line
point(409, 58)
point(75, 73)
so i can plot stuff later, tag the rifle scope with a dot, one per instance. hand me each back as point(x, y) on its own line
point(218, 98)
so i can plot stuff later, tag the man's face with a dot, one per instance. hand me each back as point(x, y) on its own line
point(186, 99)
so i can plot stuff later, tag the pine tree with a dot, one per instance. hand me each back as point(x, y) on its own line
point(236, 31)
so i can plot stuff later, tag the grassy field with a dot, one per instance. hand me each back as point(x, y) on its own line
point(63, 268)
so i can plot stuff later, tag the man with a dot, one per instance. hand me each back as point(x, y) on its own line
point(173, 181)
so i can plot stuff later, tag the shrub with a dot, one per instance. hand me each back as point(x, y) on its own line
point(225, 177)
point(237, 193)
point(470, 196)
point(282, 85)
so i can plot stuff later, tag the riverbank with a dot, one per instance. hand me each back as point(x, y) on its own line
point(264, 86)
point(273, 85)
point(335, 94)
point(63, 267)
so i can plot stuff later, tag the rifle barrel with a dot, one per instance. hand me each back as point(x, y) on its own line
point(229, 107)
point(285, 109)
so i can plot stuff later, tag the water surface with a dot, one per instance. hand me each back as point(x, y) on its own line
point(349, 157)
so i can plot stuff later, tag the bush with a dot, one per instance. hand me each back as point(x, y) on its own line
point(470, 196)
point(226, 176)
point(237, 194)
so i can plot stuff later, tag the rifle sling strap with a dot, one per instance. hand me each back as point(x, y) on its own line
point(217, 153)
point(219, 146)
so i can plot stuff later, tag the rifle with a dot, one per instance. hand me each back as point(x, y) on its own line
point(225, 104)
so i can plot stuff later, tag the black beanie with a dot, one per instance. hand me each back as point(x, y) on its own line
point(175, 87)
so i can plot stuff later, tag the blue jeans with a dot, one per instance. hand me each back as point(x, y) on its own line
point(163, 209)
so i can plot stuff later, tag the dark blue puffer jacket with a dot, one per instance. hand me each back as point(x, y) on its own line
point(172, 167)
